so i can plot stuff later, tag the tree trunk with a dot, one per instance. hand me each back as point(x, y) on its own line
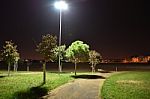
point(92, 67)
point(75, 68)
point(14, 67)
point(44, 72)
point(116, 69)
point(8, 68)
point(28, 68)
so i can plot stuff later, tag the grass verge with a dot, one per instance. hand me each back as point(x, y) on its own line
point(28, 85)
point(127, 85)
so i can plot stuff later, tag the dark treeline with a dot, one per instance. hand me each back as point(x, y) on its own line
point(85, 67)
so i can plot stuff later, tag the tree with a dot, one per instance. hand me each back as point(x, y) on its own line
point(94, 59)
point(45, 48)
point(9, 54)
point(77, 52)
point(17, 57)
point(59, 50)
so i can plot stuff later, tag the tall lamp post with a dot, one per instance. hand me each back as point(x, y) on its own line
point(60, 5)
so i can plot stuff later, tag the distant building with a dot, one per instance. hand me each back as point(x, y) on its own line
point(112, 60)
point(127, 60)
point(147, 58)
point(133, 59)
point(137, 59)
point(105, 61)
point(116, 60)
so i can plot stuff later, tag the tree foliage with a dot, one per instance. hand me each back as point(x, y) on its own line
point(77, 52)
point(94, 59)
point(10, 54)
point(59, 50)
point(46, 46)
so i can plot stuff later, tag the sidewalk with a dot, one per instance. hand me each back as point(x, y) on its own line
point(81, 88)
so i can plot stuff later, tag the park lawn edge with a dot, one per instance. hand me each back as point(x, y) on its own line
point(29, 87)
point(127, 90)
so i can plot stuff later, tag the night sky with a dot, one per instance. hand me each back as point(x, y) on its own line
point(114, 28)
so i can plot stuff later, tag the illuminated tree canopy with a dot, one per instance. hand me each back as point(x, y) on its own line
point(77, 52)
point(94, 59)
point(46, 46)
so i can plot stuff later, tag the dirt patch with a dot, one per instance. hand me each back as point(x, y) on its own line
point(129, 82)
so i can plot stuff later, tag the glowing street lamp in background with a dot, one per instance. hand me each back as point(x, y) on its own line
point(60, 5)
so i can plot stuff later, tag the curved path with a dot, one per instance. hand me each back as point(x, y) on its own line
point(81, 88)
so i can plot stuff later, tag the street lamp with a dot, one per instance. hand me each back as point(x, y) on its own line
point(60, 5)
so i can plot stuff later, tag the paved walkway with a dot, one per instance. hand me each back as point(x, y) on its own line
point(80, 88)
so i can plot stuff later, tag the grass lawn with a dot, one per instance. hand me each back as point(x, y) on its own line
point(127, 85)
point(28, 85)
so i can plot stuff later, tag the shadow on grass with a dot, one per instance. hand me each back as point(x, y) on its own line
point(59, 72)
point(32, 93)
point(104, 71)
point(88, 77)
point(3, 76)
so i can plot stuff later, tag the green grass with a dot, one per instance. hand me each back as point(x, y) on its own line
point(127, 85)
point(28, 85)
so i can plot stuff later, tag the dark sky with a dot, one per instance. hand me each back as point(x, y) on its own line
point(115, 28)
